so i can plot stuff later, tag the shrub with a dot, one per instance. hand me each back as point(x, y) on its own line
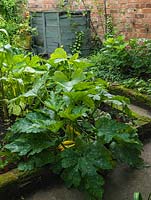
point(120, 59)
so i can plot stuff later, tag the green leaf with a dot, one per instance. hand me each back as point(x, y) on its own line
point(19, 146)
point(36, 122)
point(60, 77)
point(37, 161)
point(78, 75)
point(110, 129)
point(81, 166)
point(137, 196)
point(54, 102)
point(129, 153)
point(59, 53)
point(73, 114)
point(94, 186)
point(16, 110)
point(71, 177)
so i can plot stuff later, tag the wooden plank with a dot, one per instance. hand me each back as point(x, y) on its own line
point(52, 39)
point(67, 38)
point(72, 30)
point(51, 22)
point(36, 18)
point(37, 23)
point(65, 22)
point(51, 32)
point(40, 32)
point(36, 14)
point(39, 42)
point(44, 30)
point(51, 16)
point(51, 48)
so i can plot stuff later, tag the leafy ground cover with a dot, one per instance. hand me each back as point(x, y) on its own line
point(125, 62)
point(64, 117)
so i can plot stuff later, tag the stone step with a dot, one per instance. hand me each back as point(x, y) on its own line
point(140, 111)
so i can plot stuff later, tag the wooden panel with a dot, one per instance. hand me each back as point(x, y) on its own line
point(65, 22)
point(51, 22)
point(56, 29)
point(66, 37)
point(51, 48)
point(38, 41)
point(79, 20)
point(51, 16)
point(36, 14)
point(51, 31)
point(52, 39)
point(40, 31)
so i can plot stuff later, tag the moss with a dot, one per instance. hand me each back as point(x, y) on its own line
point(140, 120)
point(7, 178)
point(16, 177)
point(136, 97)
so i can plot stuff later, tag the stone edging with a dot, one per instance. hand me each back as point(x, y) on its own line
point(136, 97)
point(14, 182)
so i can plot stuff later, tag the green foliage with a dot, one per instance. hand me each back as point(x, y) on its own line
point(14, 18)
point(70, 131)
point(120, 59)
point(19, 74)
point(138, 196)
point(77, 45)
point(140, 85)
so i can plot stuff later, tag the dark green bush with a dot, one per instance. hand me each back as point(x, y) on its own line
point(120, 59)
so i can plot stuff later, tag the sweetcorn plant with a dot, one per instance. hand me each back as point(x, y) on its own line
point(71, 132)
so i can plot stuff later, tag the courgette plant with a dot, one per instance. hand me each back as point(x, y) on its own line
point(70, 131)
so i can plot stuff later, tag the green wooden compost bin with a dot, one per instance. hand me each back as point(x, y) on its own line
point(58, 28)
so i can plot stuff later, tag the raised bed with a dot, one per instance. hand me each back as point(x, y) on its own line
point(135, 97)
point(15, 182)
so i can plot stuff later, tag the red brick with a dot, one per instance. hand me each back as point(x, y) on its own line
point(139, 15)
point(135, 13)
point(147, 10)
point(148, 5)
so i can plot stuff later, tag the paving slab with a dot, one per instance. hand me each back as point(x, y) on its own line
point(57, 191)
point(140, 111)
point(124, 181)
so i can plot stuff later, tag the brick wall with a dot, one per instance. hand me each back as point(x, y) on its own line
point(130, 17)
